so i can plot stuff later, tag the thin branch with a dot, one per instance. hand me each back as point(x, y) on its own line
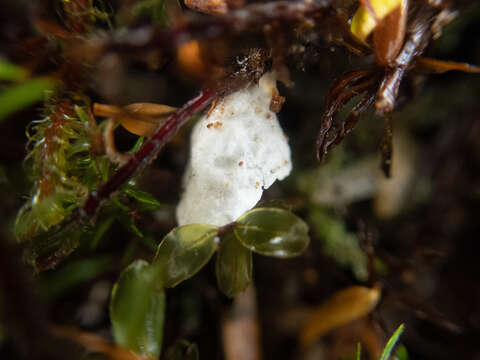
point(147, 152)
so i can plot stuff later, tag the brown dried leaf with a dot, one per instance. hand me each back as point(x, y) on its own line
point(389, 34)
point(351, 84)
point(343, 307)
point(95, 343)
point(140, 118)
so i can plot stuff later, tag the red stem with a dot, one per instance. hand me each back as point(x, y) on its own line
point(247, 19)
point(148, 151)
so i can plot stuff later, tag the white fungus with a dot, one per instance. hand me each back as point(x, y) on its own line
point(237, 151)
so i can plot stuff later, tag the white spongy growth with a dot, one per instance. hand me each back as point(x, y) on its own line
point(237, 150)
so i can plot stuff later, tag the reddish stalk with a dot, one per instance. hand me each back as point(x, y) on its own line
point(147, 152)
point(250, 18)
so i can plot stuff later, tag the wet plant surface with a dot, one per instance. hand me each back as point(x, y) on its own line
point(334, 255)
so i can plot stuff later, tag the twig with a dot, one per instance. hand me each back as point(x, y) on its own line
point(147, 152)
point(240, 328)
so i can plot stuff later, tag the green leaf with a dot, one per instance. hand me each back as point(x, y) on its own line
point(11, 72)
point(137, 309)
point(401, 353)
point(182, 350)
point(137, 145)
point(128, 223)
point(82, 114)
point(20, 96)
point(359, 351)
point(184, 251)
point(272, 232)
point(141, 196)
point(125, 218)
point(233, 266)
point(99, 231)
point(391, 343)
point(338, 243)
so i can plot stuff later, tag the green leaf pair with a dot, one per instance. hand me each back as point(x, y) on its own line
point(138, 301)
point(266, 231)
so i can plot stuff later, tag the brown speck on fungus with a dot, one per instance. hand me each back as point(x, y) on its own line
point(240, 163)
point(216, 125)
point(277, 101)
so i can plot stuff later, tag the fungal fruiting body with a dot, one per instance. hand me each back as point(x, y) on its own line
point(237, 151)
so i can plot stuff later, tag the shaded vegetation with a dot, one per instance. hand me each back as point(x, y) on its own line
point(375, 227)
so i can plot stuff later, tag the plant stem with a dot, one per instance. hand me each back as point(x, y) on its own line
point(147, 152)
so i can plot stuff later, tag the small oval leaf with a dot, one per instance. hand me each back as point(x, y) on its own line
point(137, 310)
point(273, 232)
point(184, 251)
point(233, 266)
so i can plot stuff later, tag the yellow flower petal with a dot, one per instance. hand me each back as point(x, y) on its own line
point(364, 22)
